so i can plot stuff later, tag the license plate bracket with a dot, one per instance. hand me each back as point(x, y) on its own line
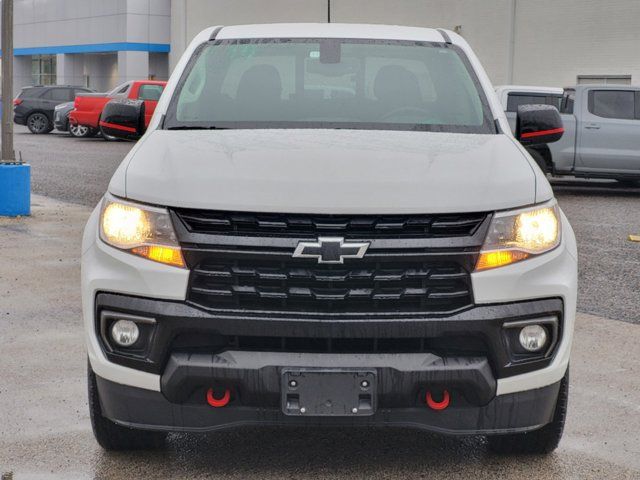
point(328, 392)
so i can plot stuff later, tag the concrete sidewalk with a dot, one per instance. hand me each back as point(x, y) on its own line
point(45, 430)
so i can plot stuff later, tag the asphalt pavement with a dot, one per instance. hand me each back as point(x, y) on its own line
point(603, 214)
point(45, 430)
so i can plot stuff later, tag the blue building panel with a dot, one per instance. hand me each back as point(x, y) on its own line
point(95, 48)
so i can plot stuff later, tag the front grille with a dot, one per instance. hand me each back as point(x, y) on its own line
point(347, 226)
point(375, 284)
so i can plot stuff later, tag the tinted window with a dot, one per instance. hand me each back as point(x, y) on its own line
point(58, 94)
point(516, 99)
point(150, 92)
point(330, 83)
point(612, 104)
point(30, 93)
point(555, 100)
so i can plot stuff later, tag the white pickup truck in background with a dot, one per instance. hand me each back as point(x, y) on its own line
point(602, 129)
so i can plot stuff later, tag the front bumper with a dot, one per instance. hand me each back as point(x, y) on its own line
point(148, 410)
point(465, 354)
point(61, 122)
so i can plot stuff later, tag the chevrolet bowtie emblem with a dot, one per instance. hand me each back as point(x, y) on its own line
point(331, 249)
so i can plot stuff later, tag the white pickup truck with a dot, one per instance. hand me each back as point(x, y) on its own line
point(329, 225)
point(602, 129)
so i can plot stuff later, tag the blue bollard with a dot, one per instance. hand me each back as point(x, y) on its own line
point(15, 189)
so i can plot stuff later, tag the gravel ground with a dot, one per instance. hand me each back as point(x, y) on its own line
point(609, 264)
point(602, 214)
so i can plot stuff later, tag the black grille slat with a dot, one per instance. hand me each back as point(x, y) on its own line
point(356, 226)
point(295, 285)
point(415, 264)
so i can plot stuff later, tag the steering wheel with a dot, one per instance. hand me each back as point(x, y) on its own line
point(404, 111)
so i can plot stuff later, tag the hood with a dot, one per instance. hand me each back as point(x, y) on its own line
point(327, 171)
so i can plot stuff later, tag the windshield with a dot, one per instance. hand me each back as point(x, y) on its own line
point(330, 83)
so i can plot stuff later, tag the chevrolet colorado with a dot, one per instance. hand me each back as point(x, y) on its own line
point(329, 224)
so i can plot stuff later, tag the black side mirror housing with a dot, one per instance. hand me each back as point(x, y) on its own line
point(123, 118)
point(538, 124)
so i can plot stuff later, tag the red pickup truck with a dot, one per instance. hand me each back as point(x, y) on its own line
point(88, 107)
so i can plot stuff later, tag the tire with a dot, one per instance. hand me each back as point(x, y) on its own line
point(111, 436)
point(38, 123)
point(539, 158)
point(542, 441)
point(81, 131)
point(108, 138)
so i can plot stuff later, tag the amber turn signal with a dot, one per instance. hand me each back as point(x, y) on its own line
point(499, 258)
point(157, 253)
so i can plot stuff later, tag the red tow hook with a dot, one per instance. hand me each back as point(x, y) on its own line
point(442, 404)
point(218, 402)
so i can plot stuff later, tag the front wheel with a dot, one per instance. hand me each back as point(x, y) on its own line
point(540, 160)
point(541, 441)
point(81, 131)
point(112, 436)
point(108, 138)
point(39, 123)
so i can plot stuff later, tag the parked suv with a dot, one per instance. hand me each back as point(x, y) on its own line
point(34, 106)
point(329, 225)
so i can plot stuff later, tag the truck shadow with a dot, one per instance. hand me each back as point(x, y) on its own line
point(321, 453)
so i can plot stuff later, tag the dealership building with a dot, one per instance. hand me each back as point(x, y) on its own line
point(94, 43)
point(541, 42)
point(101, 43)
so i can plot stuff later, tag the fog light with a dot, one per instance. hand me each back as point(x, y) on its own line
point(125, 333)
point(533, 338)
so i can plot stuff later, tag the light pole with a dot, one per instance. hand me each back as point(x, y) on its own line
point(8, 154)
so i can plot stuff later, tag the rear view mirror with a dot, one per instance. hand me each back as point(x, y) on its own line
point(123, 118)
point(538, 124)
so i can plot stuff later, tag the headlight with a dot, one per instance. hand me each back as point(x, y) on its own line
point(141, 230)
point(516, 236)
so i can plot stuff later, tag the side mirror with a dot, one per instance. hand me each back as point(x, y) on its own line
point(538, 124)
point(123, 118)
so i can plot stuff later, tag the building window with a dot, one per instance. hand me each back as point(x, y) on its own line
point(604, 79)
point(43, 69)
